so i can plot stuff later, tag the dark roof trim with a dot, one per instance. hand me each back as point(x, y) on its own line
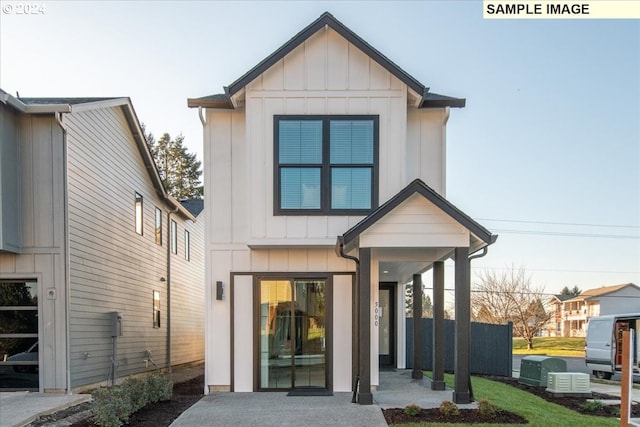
point(418, 186)
point(72, 101)
point(429, 100)
point(434, 100)
point(195, 206)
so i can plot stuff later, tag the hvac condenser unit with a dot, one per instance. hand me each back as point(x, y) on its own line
point(564, 383)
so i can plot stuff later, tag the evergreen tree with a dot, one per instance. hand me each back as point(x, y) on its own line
point(179, 170)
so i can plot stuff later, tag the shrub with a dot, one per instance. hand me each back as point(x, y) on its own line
point(449, 409)
point(486, 408)
point(112, 406)
point(592, 406)
point(412, 410)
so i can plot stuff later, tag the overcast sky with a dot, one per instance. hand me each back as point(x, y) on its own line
point(546, 153)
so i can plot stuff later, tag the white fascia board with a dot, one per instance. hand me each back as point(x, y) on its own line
point(108, 103)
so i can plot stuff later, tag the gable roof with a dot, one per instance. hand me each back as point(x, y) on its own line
point(429, 100)
point(418, 187)
point(69, 105)
point(604, 290)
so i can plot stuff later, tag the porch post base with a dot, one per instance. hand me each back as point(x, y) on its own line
point(438, 385)
point(461, 397)
point(365, 398)
point(417, 374)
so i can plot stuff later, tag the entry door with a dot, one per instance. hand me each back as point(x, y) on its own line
point(386, 325)
point(292, 334)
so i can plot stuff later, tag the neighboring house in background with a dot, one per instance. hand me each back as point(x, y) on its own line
point(573, 312)
point(325, 194)
point(87, 230)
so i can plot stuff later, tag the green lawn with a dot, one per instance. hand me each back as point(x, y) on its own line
point(551, 346)
point(539, 412)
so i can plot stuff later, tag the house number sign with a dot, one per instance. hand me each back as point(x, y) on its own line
point(376, 313)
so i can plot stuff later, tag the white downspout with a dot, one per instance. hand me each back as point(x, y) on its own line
point(67, 245)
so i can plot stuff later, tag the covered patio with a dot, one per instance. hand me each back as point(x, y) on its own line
point(412, 233)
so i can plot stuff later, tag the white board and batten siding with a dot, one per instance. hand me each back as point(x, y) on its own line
point(39, 232)
point(325, 75)
point(415, 223)
point(113, 268)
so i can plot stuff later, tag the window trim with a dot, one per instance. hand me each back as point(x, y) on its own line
point(325, 166)
point(156, 309)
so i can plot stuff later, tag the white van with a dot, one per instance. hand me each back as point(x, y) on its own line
point(603, 349)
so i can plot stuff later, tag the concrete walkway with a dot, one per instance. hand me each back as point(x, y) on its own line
point(19, 408)
point(277, 409)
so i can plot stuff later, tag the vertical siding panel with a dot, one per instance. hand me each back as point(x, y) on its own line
point(317, 227)
point(413, 157)
point(27, 175)
point(278, 260)
point(342, 339)
point(259, 260)
point(276, 225)
point(294, 69)
point(221, 216)
point(337, 105)
point(243, 334)
point(273, 78)
point(380, 78)
point(294, 105)
point(338, 58)
point(257, 172)
point(298, 259)
point(42, 182)
point(316, 106)
point(358, 69)
point(315, 55)
point(317, 260)
point(239, 174)
point(241, 260)
point(296, 227)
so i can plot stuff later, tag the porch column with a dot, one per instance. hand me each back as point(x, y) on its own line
point(364, 331)
point(462, 389)
point(416, 374)
point(438, 326)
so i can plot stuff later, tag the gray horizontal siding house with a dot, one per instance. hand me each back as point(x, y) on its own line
point(101, 271)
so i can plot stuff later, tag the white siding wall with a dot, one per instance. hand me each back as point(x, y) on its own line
point(41, 229)
point(112, 267)
point(625, 300)
point(415, 223)
point(324, 75)
point(426, 145)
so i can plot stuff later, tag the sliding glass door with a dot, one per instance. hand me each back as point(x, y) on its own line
point(292, 334)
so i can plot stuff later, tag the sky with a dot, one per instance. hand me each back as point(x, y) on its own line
point(545, 154)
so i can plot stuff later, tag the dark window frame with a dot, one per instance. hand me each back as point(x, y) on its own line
point(325, 166)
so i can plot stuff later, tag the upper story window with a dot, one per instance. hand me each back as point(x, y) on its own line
point(138, 210)
point(158, 227)
point(187, 246)
point(174, 237)
point(325, 165)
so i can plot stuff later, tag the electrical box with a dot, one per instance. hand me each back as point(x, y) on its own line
point(116, 323)
point(573, 383)
point(534, 369)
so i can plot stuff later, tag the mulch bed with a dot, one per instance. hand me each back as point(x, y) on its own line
point(397, 416)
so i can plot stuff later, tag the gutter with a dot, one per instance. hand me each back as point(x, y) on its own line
point(67, 250)
point(356, 328)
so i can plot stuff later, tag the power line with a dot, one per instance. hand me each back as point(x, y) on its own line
point(556, 233)
point(552, 270)
point(561, 223)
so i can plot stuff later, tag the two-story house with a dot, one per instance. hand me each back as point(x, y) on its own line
point(324, 195)
point(101, 271)
point(572, 313)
